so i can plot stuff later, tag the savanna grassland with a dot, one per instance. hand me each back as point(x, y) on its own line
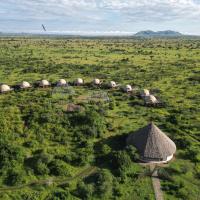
point(49, 153)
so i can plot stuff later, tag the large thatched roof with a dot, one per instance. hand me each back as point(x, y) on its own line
point(152, 143)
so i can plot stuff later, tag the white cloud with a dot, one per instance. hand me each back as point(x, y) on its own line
point(135, 9)
point(99, 14)
point(154, 9)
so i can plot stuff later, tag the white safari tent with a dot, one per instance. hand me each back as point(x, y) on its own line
point(44, 83)
point(5, 88)
point(25, 85)
point(145, 93)
point(62, 82)
point(128, 88)
point(96, 81)
point(112, 84)
point(79, 81)
point(153, 145)
point(151, 99)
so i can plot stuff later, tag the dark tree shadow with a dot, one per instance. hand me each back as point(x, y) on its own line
point(116, 143)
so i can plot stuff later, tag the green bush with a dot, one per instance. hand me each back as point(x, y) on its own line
point(58, 168)
point(15, 177)
point(59, 194)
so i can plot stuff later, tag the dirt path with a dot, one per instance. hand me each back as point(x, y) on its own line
point(49, 181)
point(156, 183)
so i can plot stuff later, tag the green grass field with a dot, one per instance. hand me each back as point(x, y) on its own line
point(41, 141)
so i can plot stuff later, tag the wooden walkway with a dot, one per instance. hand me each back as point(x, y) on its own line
point(156, 183)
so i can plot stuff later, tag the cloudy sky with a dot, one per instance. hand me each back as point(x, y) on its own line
point(100, 16)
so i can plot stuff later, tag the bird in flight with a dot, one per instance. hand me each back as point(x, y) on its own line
point(44, 27)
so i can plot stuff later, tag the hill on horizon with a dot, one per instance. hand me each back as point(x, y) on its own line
point(149, 33)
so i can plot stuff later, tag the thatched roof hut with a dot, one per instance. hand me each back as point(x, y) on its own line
point(152, 144)
point(151, 99)
point(44, 83)
point(5, 88)
point(62, 82)
point(112, 84)
point(96, 81)
point(145, 93)
point(128, 88)
point(79, 81)
point(25, 85)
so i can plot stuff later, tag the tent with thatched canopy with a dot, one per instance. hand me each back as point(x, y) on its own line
point(153, 145)
point(61, 83)
point(5, 88)
point(44, 83)
point(25, 85)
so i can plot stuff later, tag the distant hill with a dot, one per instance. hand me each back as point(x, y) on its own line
point(150, 33)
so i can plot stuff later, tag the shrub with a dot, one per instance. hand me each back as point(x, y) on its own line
point(59, 194)
point(121, 162)
point(14, 177)
point(132, 152)
point(58, 168)
point(10, 154)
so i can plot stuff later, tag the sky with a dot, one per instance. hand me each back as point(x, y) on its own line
point(99, 17)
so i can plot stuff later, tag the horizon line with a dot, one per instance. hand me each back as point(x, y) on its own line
point(85, 33)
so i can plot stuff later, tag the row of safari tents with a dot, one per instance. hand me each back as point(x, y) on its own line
point(145, 94)
point(62, 82)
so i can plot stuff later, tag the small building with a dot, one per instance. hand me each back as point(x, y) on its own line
point(112, 84)
point(44, 83)
point(128, 88)
point(151, 99)
point(96, 81)
point(79, 81)
point(145, 93)
point(5, 88)
point(62, 83)
point(153, 145)
point(25, 85)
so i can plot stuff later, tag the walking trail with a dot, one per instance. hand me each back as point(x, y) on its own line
point(156, 183)
point(58, 181)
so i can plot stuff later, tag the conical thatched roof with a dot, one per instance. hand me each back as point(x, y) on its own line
point(152, 143)
point(4, 88)
point(25, 84)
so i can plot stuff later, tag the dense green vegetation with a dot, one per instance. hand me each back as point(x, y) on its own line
point(41, 142)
